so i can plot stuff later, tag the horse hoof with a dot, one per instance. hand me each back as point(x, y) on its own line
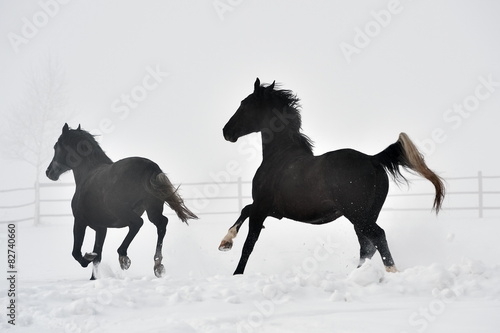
point(124, 262)
point(225, 246)
point(391, 269)
point(159, 271)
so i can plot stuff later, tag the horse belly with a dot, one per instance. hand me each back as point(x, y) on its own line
point(99, 210)
point(98, 216)
point(308, 206)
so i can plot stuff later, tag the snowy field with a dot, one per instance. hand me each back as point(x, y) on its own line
point(300, 278)
point(159, 79)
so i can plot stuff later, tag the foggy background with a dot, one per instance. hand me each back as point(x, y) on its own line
point(160, 79)
point(408, 64)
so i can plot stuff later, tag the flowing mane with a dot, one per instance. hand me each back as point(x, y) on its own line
point(288, 101)
point(86, 145)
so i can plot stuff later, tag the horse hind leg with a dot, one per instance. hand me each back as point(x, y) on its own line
point(377, 236)
point(372, 238)
point(159, 269)
point(160, 221)
point(367, 249)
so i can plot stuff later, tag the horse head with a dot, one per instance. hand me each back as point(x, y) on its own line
point(252, 115)
point(68, 152)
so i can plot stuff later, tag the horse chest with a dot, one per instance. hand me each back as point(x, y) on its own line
point(293, 193)
point(92, 209)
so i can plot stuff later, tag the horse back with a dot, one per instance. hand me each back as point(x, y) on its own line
point(111, 188)
point(318, 189)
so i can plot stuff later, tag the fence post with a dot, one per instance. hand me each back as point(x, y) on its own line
point(480, 192)
point(37, 202)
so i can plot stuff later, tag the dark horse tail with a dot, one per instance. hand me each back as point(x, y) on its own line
point(405, 153)
point(161, 187)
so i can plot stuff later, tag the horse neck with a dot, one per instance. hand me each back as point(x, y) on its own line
point(89, 163)
point(283, 144)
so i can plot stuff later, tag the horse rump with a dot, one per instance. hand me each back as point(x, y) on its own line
point(404, 153)
point(161, 187)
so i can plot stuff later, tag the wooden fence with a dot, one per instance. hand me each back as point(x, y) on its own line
point(478, 193)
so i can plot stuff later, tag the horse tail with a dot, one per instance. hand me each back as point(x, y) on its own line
point(161, 187)
point(404, 153)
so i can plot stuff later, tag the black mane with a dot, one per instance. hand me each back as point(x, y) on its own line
point(288, 101)
point(85, 144)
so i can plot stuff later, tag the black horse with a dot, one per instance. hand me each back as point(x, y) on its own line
point(293, 183)
point(113, 195)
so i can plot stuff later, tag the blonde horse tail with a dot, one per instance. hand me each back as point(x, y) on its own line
point(404, 153)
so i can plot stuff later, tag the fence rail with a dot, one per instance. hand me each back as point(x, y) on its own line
point(480, 193)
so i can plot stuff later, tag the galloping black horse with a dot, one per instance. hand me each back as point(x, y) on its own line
point(113, 195)
point(293, 183)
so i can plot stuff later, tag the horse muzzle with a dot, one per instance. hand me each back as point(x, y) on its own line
point(53, 172)
point(51, 175)
point(229, 136)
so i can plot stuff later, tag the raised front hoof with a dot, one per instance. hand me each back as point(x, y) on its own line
point(159, 271)
point(391, 269)
point(124, 262)
point(225, 246)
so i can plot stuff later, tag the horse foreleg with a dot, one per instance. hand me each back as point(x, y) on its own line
point(227, 242)
point(78, 236)
point(100, 236)
point(254, 229)
point(134, 227)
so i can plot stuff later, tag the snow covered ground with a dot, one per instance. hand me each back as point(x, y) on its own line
point(300, 278)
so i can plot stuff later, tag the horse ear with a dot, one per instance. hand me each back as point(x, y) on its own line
point(256, 85)
point(271, 86)
point(65, 128)
point(269, 89)
point(79, 128)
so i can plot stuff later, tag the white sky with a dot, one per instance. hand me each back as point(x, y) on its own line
point(427, 58)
